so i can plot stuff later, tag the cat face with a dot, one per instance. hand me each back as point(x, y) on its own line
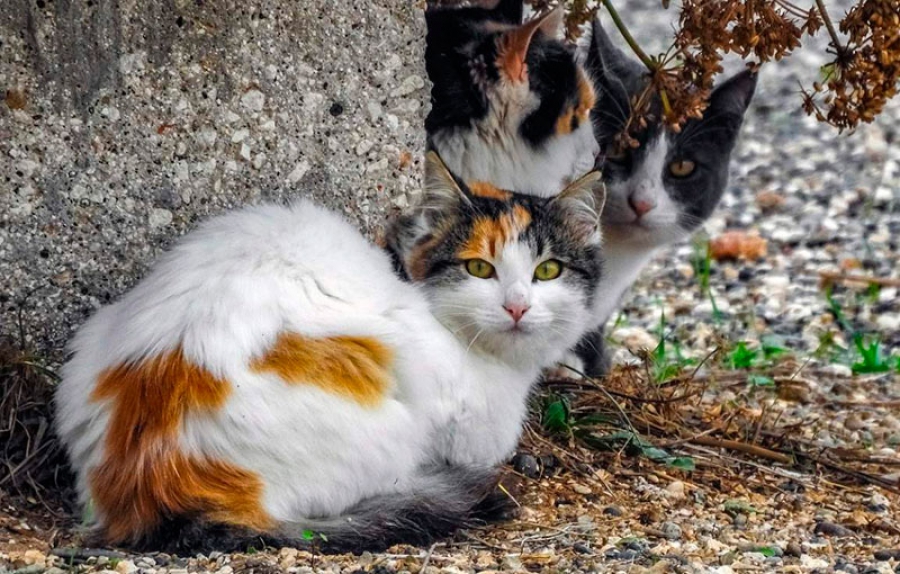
point(671, 183)
point(511, 275)
point(510, 105)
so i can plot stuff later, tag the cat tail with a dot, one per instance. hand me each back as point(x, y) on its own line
point(441, 500)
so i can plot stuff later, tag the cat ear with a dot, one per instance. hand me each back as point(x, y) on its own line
point(512, 46)
point(580, 205)
point(615, 73)
point(438, 207)
point(441, 191)
point(733, 96)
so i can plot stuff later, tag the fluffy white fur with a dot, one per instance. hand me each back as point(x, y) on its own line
point(230, 288)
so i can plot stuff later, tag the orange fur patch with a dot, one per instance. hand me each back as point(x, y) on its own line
point(355, 367)
point(490, 235)
point(144, 477)
point(586, 97)
point(564, 122)
point(485, 189)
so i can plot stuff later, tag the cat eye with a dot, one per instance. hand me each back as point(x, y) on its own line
point(682, 168)
point(480, 268)
point(548, 270)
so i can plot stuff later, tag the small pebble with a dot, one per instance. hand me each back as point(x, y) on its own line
point(671, 530)
point(832, 529)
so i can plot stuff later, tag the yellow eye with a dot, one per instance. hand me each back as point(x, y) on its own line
point(682, 168)
point(548, 270)
point(480, 268)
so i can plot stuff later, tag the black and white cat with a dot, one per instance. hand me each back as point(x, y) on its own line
point(662, 190)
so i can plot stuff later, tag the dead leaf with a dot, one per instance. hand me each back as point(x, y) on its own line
point(769, 200)
point(737, 245)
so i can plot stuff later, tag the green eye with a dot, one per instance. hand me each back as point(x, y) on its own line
point(480, 268)
point(548, 270)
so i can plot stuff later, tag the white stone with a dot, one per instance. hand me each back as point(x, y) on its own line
point(253, 100)
point(245, 152)
point(207, 137)
point(409, 85)
point(312, 102)
point(259, 160)
point(159, 217)
point(182, 172)
point(379, 165)
point(393, 62)
point(889, 322)
point(374, 109)
point(110, 113)
point(883, 195)
point(363, 147)
point(240, 135)
point(27, 167)
point(298, 172)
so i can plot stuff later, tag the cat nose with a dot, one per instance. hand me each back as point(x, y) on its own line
point(516, 311)
point(641, 206)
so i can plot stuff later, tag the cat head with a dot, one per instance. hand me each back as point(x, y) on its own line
point(670, 184)
point(511, 275)
point(509, 103)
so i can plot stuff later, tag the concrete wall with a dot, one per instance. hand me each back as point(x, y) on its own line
point(125, 121)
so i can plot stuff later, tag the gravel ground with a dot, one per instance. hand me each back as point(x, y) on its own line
point(822, 201)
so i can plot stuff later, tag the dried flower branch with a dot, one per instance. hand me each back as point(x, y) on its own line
point(858, 82)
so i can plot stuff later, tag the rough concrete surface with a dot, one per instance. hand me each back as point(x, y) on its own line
point(124, 122)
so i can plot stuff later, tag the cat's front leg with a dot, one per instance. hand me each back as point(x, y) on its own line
point(592, 354)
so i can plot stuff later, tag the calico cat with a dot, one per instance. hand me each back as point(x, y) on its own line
point(509, 103)
point(660, 191)
point(272, 375)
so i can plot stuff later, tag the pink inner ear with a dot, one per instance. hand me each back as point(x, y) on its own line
point(513, 45)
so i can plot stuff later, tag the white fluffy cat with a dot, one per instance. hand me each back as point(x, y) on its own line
point(272, 375)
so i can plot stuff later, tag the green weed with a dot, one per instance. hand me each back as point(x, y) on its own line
point(555, 416)
point(742, 356)
point(632, 443)
point(701, 261)
point(871, 357)
point(667, 360)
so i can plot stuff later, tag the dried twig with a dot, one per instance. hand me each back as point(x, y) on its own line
point(833, 277)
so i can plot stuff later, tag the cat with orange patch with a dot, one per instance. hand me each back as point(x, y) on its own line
point(274, 375)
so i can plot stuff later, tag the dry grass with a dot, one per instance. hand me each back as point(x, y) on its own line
point(32, 462)
point(715, 424)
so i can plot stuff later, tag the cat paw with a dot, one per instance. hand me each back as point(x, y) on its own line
point(569, 368)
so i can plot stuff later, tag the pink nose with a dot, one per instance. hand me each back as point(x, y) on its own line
point(640, 206)
point(516, 311)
